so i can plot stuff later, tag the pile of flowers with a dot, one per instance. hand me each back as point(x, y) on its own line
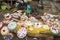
point(21, 24)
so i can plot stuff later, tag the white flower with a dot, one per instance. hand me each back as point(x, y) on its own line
point(38, 25)
point(15, 15)
point(21, 33)
point(33, 19)
point(7, 16)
